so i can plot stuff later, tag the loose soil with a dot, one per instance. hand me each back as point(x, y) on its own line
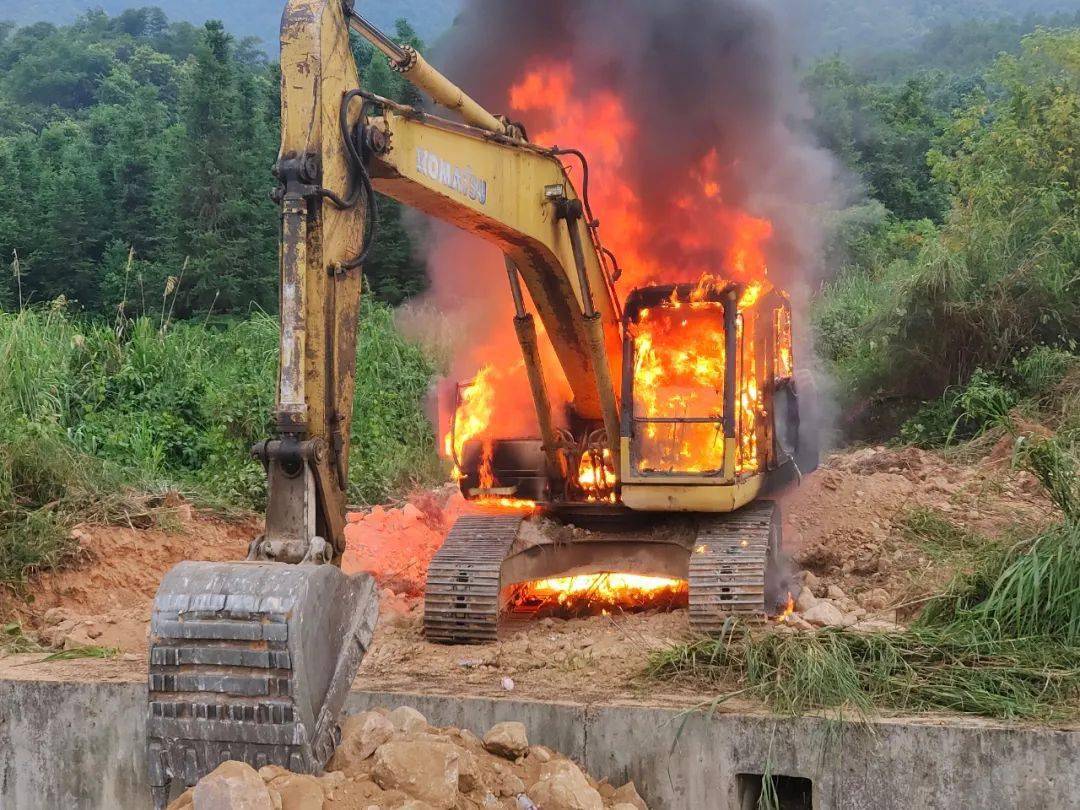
point(843, 524)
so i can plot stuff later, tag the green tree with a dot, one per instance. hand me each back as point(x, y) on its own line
point(1002, 276)
point(883, 133)
point(395, 270)
point(221, 222)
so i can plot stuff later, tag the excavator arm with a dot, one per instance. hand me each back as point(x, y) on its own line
point(253, 660)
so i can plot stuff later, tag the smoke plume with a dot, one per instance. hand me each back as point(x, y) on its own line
point(690, 114)
point(703, 86)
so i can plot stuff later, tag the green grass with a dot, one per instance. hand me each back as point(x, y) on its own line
point(95, 416)
point(940, 538)
point(923, 669)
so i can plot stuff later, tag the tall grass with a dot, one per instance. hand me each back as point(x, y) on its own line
point(92, 413)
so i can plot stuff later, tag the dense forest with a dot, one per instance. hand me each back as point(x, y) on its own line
point(244, 18)
point(136, 153)
point(135, 157)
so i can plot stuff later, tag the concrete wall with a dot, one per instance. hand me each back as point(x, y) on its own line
point(80, 745)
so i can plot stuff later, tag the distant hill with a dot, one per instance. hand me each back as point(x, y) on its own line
point(823, 26)
point(861, 26)
point(257, 18)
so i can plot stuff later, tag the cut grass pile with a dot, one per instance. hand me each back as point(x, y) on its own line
point(922, 669)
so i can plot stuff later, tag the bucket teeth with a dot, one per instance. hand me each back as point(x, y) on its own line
point(732, 559)
point(251, 661)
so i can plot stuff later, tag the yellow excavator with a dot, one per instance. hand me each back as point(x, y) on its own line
point(253, 660)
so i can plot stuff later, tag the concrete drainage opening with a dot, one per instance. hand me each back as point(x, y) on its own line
point(790, 792)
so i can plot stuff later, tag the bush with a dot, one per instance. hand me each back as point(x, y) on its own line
point(1043, 369)
point(962, 413)
point(90, 411)
point(997, 280)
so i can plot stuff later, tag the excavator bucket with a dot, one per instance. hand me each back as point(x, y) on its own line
point(251, 661)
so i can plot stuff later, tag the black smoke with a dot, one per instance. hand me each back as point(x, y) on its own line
point(695, 76)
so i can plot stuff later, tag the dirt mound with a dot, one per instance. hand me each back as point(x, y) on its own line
point(853, 564)
point(396, 760)
point(846, 522)
point(396, 544)
point(104, 597)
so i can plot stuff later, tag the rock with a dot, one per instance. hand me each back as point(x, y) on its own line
point(875, 625)
point(232, 786)
point(53, 616)
point(507, 785)
point(424, 769)
point(332, 780)
point(541, 754)
point(361, 734)
point(414, 804)
point(81, 536)
point(298, 791)
point(810, 580)
point(876, 599)
point(837, 594)
point(562, 786)
point(468, 771)
point(508, 684)
point(825, 614)
point(622, 806)
point(411, 514)
point(507, 740)
point(407, 719)
point(806, 600)
point(184, 801)
point(628, 794)
point(270, 772)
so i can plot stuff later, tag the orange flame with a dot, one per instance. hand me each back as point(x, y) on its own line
point(679, 362)
point(472, 417)
point(602, 592)
point(789, 609)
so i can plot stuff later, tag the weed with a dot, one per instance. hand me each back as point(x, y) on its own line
point(1040, 371)
point(90, 651)
point(939, 537)
point(91, 414)
point(922, 669)
point(14, 641)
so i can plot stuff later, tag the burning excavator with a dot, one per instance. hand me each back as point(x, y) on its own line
point(683, 412)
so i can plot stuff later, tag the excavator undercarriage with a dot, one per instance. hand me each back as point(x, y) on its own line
point(730, 563)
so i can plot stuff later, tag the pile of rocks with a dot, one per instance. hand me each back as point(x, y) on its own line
point(820, 605)
point(396, 761)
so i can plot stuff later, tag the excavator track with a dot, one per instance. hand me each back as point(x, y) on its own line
point(733, 557)
point(462, 597)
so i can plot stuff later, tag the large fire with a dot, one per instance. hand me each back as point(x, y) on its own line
point(679, 364)
point(593, 594)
